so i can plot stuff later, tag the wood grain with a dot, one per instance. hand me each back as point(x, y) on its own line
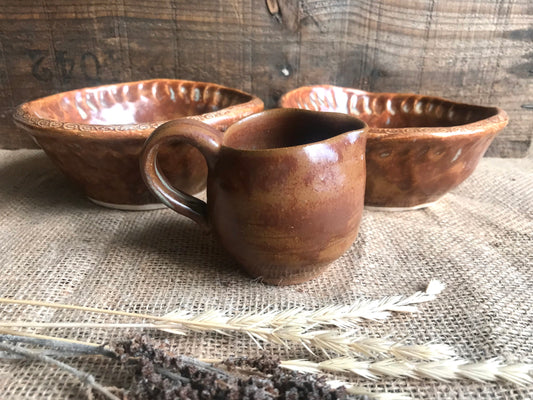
point(477, 51)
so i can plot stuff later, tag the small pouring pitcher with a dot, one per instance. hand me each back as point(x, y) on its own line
point(285, 188)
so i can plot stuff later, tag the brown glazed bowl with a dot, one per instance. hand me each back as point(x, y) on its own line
point(95, 135)
point(418, 147)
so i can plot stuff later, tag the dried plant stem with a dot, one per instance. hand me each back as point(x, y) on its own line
point(29, 324)
point(343, 316)
point(62, 306)
point(361, 391)
point(85, 378)
point(67, 348)
point(62, 346)
point(276, 327)
point(445, 370)
point(37, 336)
point(263, 370)
point(347, 316)
point(347, 343)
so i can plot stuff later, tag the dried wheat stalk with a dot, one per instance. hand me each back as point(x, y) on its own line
point(343, 316)
point(282, 327)
point(443, 370)
point(327, 341)
point(340, 316)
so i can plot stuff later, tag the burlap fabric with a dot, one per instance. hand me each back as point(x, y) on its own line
point(57, 246)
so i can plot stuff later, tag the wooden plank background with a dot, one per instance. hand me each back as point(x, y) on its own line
point(478, 51)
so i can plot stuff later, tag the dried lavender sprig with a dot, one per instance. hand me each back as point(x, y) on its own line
point(444, 370)
point(84, 377)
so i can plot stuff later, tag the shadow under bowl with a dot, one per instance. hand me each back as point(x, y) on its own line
point(418, 147)
point(95, 135)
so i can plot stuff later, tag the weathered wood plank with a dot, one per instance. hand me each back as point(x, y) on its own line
point(477, 51)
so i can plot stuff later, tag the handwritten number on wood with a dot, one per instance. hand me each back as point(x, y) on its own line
point(88, 63)
point(65, 64)
point(39, 71)
point(90, 66)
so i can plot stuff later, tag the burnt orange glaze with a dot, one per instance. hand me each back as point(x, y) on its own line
point(95, 135)
point(418, 147)
point(285, 189)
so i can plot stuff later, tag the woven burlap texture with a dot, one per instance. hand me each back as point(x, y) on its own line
point(56, 246)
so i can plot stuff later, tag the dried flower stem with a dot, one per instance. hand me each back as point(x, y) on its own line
point(61, 347)
point(64, 346)
point(30, 335)
point(444, 370)
point(88, 379)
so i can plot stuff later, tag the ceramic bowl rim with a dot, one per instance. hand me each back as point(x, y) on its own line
point(497, 121)
point(51, 127)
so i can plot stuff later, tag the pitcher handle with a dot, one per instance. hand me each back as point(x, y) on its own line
point(195, 133)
